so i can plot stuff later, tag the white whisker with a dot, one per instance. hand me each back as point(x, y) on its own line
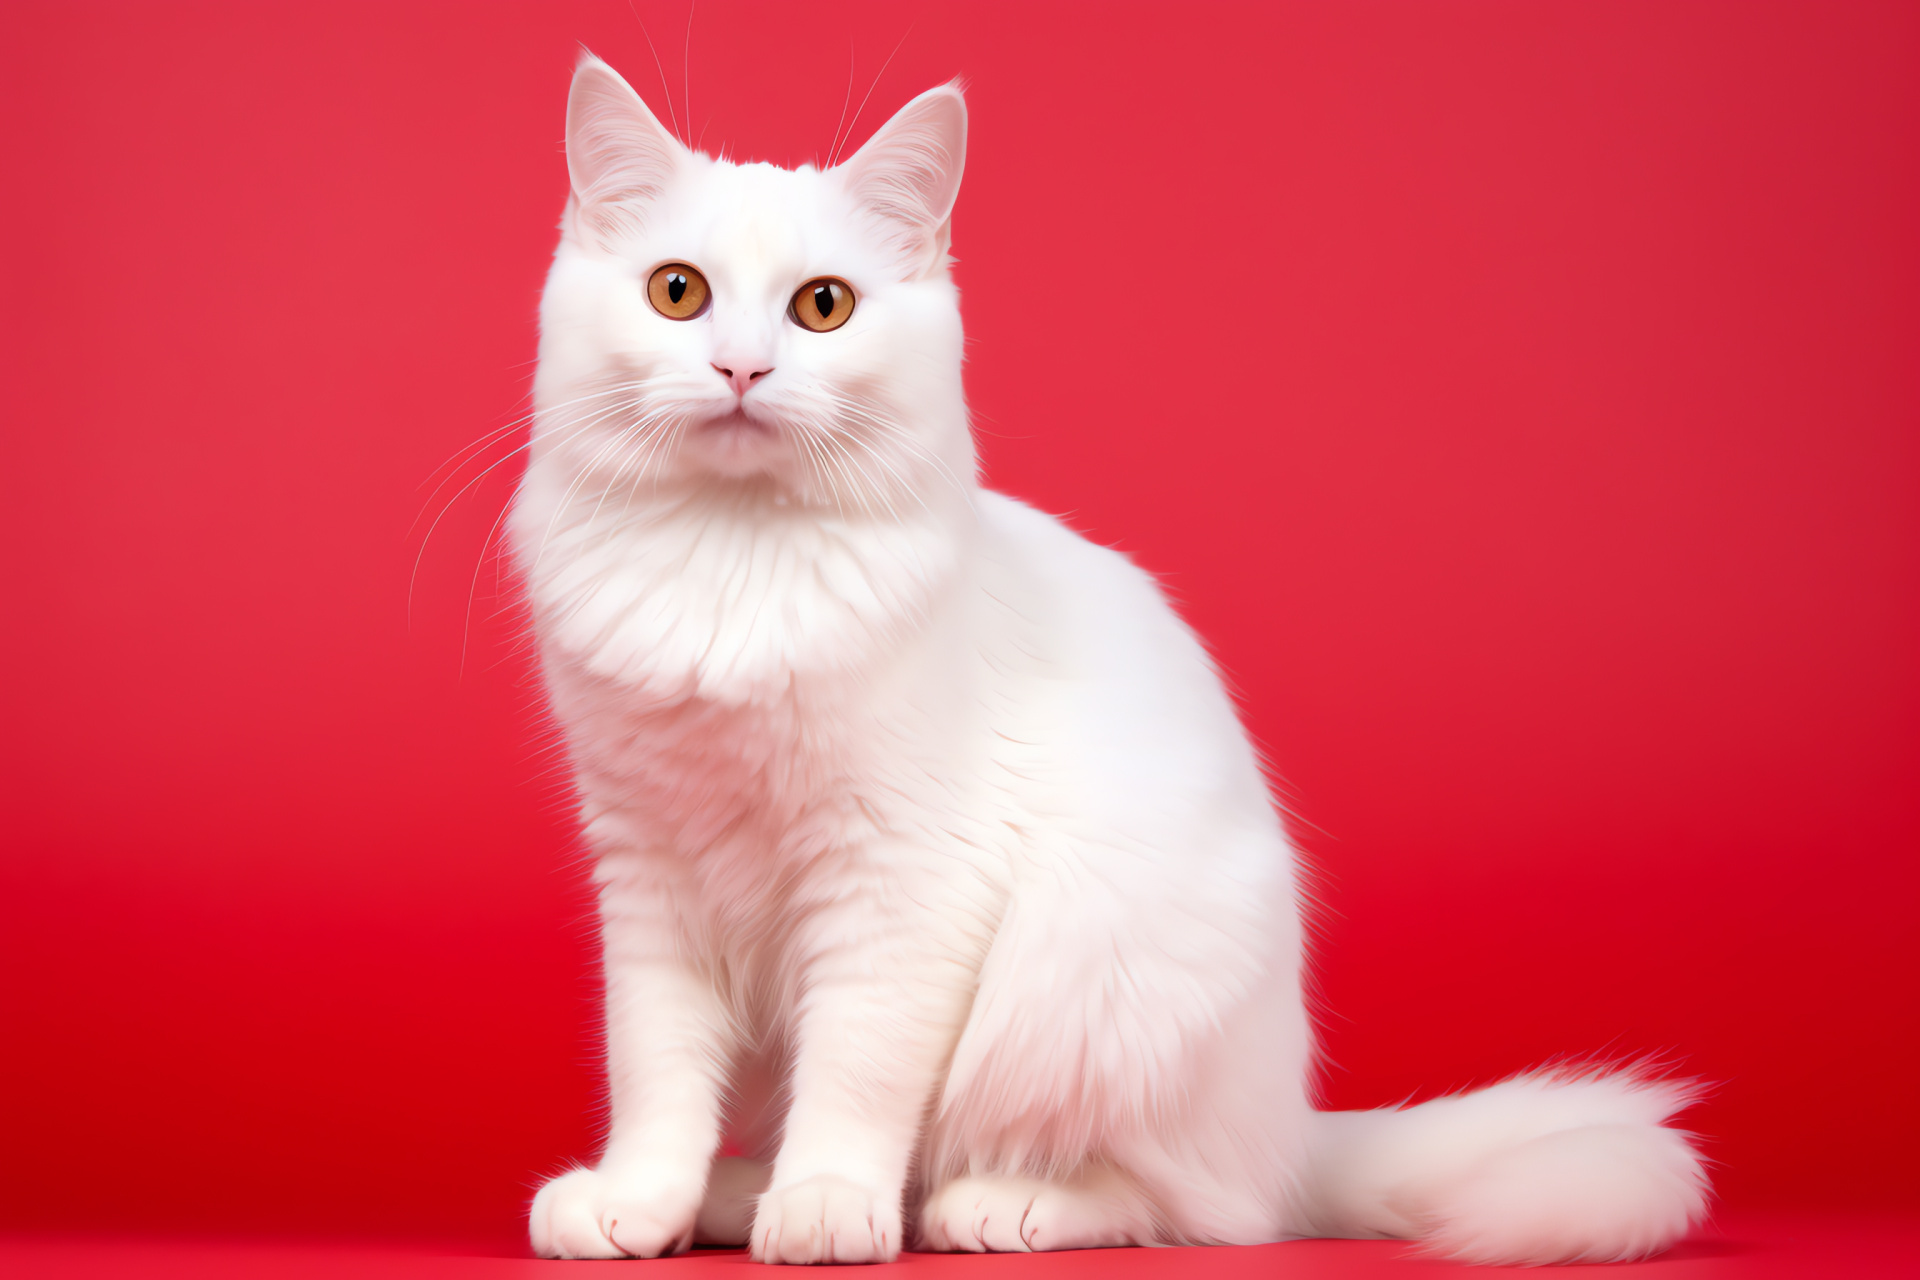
point(414, 578)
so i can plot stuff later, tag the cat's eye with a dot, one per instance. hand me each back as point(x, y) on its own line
point(677, 291)
point(823, 305)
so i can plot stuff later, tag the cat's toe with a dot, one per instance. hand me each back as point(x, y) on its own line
point(979, 1215)
point(1018, 1215)
point(825, 1219)
point(591, 1214)
point(565, 1221)
point(1061, 1218)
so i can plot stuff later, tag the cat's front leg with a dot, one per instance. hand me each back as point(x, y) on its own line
point(886, 985)
point(667, 1046)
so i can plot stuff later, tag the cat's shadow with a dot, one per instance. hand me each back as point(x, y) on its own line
point(1688, 1249)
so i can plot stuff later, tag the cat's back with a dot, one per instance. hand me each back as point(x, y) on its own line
point(1092, 645)
point(1091, 608)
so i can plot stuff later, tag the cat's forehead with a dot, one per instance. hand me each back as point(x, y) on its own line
point(759, 218)
point(763, 187)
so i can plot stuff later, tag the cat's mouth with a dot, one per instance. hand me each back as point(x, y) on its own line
point(733, 444)
point(735, 425)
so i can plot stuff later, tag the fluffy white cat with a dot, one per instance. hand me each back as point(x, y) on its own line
point(936, 872)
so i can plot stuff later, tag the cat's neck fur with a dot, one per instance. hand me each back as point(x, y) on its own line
point(728, 591)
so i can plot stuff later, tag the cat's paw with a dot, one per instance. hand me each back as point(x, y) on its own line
point(591, 1213)
point(826, 1219)
point(1020, 1215)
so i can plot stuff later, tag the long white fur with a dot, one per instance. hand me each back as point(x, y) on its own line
point(935, 868)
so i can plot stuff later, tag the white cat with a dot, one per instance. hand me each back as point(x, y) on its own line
point(936, 871)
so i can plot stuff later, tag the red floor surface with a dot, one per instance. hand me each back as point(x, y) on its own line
point(1749, 1248)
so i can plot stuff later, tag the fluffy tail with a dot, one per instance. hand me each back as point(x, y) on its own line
point(1551, 1167)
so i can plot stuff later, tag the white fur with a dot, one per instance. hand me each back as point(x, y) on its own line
point(934, 865)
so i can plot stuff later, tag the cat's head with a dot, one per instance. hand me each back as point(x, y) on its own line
point(790, 334)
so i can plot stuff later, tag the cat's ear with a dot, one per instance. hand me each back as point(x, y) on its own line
point(909, 173)
point(619, 156)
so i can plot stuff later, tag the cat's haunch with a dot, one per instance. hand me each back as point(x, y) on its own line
point(937, 875)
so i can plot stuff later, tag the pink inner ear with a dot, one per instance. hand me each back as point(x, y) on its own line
point(619, 157)
point(909, 171)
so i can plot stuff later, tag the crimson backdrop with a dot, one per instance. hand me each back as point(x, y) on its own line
point(1521, 398)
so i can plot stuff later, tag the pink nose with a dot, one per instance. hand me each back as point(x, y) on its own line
point(741, 381)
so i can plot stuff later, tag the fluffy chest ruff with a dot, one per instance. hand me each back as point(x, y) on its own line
point(738, 682)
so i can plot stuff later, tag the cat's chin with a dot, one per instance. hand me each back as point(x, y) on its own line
point(736, 446)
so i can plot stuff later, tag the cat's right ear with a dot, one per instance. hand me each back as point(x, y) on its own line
point(908, 173)
point(619, 156)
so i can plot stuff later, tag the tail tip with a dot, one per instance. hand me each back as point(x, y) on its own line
point(1598, 1193)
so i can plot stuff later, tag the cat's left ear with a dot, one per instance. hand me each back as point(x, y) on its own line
point(909, 174)
point(619, 156)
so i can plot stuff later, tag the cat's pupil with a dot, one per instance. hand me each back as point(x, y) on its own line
point(676, 287)
point(823, 300)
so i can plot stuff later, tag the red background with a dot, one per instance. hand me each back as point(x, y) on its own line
point(1522, 399)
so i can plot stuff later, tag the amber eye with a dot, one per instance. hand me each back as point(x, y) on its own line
point(677, 291)
point(823, 305)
